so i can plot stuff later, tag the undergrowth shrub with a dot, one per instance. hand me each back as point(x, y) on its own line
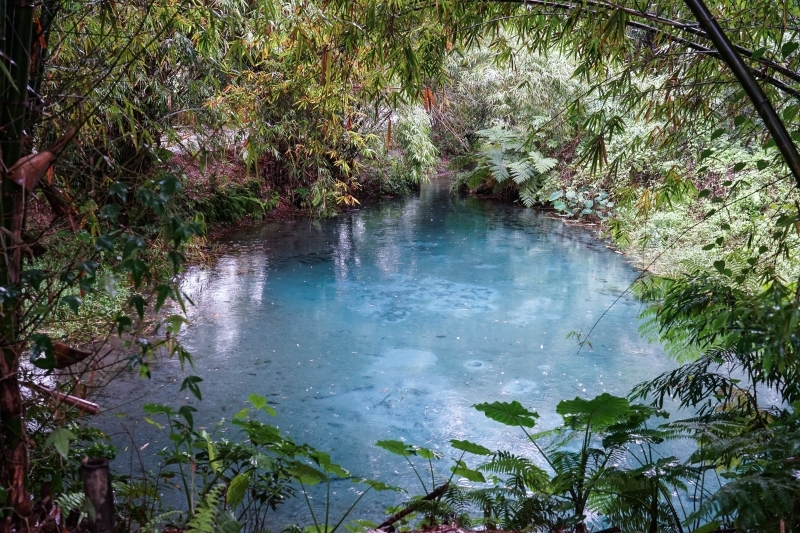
point(227, 204)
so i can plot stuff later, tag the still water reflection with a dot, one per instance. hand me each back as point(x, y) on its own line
point(392, 321)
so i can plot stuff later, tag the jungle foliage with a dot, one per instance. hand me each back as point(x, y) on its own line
point(109, 108)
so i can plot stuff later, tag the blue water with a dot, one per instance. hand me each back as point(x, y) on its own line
point(390, 322)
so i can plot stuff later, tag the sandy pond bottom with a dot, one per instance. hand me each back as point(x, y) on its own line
point(390, 322)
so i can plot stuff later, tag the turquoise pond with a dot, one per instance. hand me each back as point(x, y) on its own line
point(390, 322)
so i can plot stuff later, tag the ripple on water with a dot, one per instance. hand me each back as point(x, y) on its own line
point(520, 386)
point(404, 298)
point(476, 365)
point(531, 310)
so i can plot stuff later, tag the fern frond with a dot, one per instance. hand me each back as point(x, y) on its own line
point(527, 195)
point(526, 474)
point(152, 524)
point(521, 171)
point(207, 516)
point(542, 164)
point(497, 166)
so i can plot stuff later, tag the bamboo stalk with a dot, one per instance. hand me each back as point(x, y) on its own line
point(74, 401)
point(760, 101)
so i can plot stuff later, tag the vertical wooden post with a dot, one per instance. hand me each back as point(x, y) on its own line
point(99, 495)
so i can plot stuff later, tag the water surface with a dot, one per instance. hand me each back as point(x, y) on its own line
point(390, 322)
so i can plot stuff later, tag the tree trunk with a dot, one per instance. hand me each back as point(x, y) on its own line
point(17, 32)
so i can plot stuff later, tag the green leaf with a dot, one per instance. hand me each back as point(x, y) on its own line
point(427, 453)
point(104, 243)
point(212, 452)
point(510, 414)
point(42, 351)
point(33, 277)
point(133, 245)
point(192, 383)
point(707, 528)
point(598, 412)
point(555, 196)
point(324, 461)
point(174, 323)
point(139, 303)
point(110, 211)
point(470, 447)
point(378, 485)
point(717, 133)
point(461, 469)
point(306, 474)
point(761, 164)
point(739, 166)
point(260, 403)
point(157, 408)
point(118, 189)
point(226, 523)
point(60, 439)
point(73, 302)
point(396, 447)
point(186, 412)
point(788, 48)
point(237, 489)
point(162, 293)
point(720, 266)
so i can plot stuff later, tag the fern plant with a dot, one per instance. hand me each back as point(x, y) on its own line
point(209, 518)
point(505, 163)
point(589, 479)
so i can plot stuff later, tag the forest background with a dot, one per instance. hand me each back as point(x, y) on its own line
point(129, 128)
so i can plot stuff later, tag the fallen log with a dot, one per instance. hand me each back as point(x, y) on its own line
point(413, 506)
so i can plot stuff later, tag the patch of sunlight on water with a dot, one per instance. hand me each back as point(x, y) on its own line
point(390, 322)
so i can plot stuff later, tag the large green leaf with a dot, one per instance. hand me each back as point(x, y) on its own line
point(397, 447)
point(237, 489)
point(378, 485)
point(470, 447)
point(461, 469)
point(427, 453)
point(510, 414)
point(324, 461)
point(307, 474)
point(598, 412)
point(60, 439)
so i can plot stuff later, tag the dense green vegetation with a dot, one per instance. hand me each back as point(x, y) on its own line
point(129, 127)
